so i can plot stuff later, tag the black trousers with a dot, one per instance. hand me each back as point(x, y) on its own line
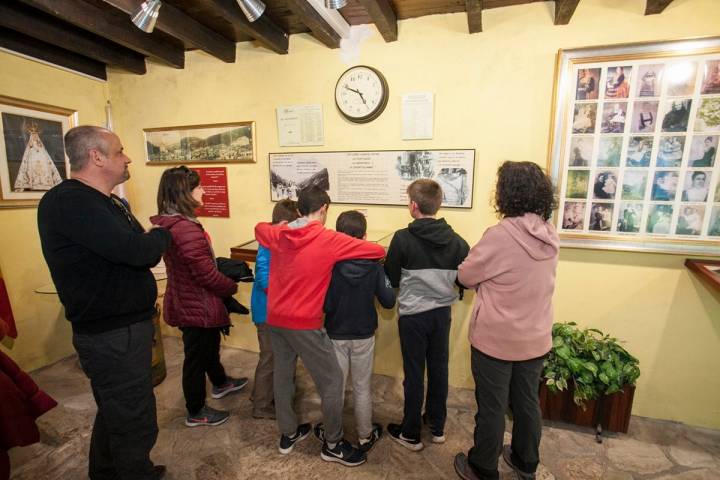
point(496, 382)
point(424, 339)
point(202, 356)
point(118, 364)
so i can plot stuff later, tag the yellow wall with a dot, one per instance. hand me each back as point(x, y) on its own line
point(492, 93)
point(44, 334)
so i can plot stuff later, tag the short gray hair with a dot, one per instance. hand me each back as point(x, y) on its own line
point(80, 140)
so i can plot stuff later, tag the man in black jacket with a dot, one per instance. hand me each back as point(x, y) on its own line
point(422, 260)
point(351, 321)
point(99, 258)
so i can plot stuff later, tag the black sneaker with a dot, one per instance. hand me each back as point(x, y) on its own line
point(395, 432)
point(366, 444)
point(288, 443)
point(463, 469)
point(231, 385)
point(207, 417)
point(507, 456)
point(319, 431)
point(343, 453)
point(438, 436)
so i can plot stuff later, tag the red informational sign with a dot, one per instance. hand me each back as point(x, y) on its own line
point(214, 182)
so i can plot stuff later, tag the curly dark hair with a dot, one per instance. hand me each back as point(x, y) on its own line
point(522, 187)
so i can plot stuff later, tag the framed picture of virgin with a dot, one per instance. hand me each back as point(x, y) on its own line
point(634, 147)
point(32, 152)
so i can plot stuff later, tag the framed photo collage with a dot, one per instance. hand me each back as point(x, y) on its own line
point(638, 164)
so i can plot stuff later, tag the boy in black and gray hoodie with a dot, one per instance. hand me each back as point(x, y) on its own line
point(422, 260)
point(351, 321)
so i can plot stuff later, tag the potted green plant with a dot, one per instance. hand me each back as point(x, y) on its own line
point(593, 370)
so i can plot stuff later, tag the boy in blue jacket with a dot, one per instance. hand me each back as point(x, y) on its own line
point(351, 321)
point(262, 395)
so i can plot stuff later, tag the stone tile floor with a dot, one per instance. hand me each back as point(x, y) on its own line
point(245, 448)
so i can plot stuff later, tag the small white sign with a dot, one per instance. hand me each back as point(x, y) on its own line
point(300, 125)
point(417, 115)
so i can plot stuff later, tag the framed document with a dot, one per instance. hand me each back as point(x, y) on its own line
point(634, 147)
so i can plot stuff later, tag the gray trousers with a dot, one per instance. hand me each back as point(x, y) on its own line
point(262, 393)
point(356, 358)
point(318, 355)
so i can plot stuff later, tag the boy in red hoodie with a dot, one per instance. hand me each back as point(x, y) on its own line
point(303, 254)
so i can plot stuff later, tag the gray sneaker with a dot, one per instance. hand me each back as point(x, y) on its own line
point(207, 417)
point(231, 385)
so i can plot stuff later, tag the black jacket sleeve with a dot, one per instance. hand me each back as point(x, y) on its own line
point(89, 224)
point(383, 290)
point(394, 260)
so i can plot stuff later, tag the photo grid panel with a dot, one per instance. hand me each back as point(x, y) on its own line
point(641, 156)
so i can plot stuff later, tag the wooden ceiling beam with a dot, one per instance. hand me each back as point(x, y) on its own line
point(474, 15)
point(31, 47)
point(564, 10)
point(181, 26)
point(653, 7)
point(263, 29)
point(49, 30)
point(94, 19)
point(384, 18)
point(319, 27)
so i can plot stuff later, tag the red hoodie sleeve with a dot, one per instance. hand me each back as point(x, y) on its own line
point(194, 250)
point(345, 247)
point(266, 234)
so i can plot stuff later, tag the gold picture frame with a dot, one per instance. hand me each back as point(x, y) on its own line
point(633, 149)
point(218, 143)
point(32, 152)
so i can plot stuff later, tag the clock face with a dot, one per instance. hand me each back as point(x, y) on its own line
point(361, 94)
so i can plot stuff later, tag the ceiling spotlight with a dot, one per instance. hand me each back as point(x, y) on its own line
point(252, 9)
point(335, 4)
point(147, 15)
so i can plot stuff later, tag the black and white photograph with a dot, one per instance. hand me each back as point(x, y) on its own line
point(670, 151)
point(711, 78)
point(584, 118)
point(32, 153)
point(415, 164)
point(629, 217)
point(696, 186)
point(588, 84)
point(649, 80)
point(714, 227)
point(453, 182)
point(290, 187)
point(639, 152)
point(644, 117)
point(573, 216)
point(703, 151)
point(614, 115)
point(665, 186)
point(217, 143)
point(617, 84)
point(677, 115)
point(601, 217)
point(680, 78)
point(690, 220)
point(605, 185)
point(659, 219)
point(581, 151)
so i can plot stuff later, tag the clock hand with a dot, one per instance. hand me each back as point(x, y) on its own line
point(352, 90)
point(362, 98)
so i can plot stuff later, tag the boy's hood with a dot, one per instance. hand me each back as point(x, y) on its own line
point(299, 233)
point(355, 271)
point(435, 231)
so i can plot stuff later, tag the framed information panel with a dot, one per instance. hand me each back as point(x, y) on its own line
point(374, 177)
point(634, 143)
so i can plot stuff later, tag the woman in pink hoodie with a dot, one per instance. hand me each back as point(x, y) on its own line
point(512, 270)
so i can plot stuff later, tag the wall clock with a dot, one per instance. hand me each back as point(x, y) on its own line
point(361, 94)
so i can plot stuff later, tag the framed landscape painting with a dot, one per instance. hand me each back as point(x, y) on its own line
point(216, 143)
point(634, 146)
point(32, 151)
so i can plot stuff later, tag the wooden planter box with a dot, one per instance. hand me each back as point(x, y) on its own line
point(612, 411)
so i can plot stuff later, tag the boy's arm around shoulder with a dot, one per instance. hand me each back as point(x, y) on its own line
point(383, 290)
point(344, 247)
point(266, 234)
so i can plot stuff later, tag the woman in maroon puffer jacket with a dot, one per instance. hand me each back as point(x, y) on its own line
point(194, 293)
